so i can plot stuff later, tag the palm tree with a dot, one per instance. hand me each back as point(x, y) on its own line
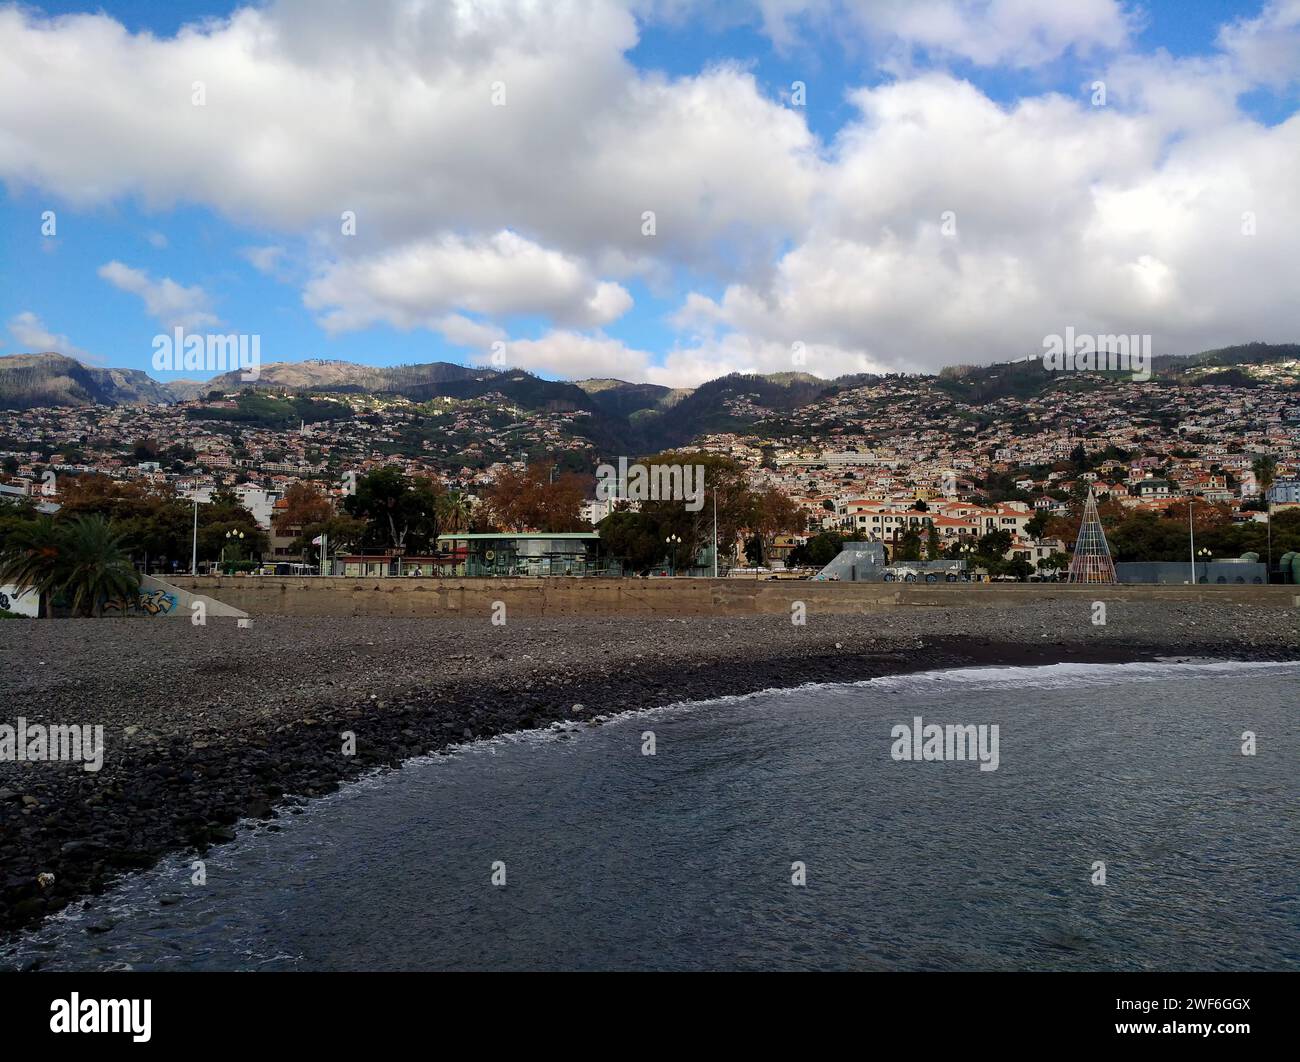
point(32, 559)
point(458, 512)
point(1265, 469)
point(93, 566)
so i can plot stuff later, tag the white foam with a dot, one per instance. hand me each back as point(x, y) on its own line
point(1043, 676)
point(1066, 675)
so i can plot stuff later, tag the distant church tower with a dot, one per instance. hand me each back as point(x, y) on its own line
point(1091, 562)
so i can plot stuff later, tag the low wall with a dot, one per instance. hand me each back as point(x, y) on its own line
point(338, 596)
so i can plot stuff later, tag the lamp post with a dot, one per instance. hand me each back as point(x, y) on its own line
point(194, 552)
point(968, 552)
point(1268, 513)
point(1205, 556)
point(673, 542)
point(1191, 537)
point(715, 532)
point(232, 538)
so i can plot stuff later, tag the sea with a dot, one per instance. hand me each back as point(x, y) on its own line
point(1141, 816)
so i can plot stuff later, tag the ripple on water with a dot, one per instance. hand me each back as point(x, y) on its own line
point(683, 859)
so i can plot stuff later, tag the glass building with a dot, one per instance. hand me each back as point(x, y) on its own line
point(540, 553)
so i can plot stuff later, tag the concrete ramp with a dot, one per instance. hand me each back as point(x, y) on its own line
point(857, 561)
point(166, 599)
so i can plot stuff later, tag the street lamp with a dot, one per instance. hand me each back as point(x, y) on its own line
point(1205, 555)
point(968, 552)
point(1268, 513)
point(235, 537)
point(673, 541)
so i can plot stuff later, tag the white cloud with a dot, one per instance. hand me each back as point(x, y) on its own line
point(1064, 215)
point(746, 353)
point(418, 283)
point(1267, 48)
point(171, 304)
point(31, 334)
point(264, 259)
point(461, 331)
point(315, 108)
point(576, 356)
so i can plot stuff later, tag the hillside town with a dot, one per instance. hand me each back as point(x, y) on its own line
point(893, 459)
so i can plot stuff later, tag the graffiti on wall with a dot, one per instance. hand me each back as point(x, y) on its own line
point(147, 603)
point(22, 603)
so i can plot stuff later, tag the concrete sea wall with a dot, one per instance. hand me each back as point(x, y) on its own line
point(337, 596)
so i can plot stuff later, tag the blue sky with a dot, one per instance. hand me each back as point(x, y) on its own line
point(782, 228)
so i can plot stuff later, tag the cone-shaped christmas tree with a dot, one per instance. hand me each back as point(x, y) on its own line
point(1091, 562)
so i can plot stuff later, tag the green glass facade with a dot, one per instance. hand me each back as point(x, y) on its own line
point(534, 555)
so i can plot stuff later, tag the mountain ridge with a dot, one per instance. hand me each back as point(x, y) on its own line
point(50, 378)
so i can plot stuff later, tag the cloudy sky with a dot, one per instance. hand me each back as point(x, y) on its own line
point(661, 190)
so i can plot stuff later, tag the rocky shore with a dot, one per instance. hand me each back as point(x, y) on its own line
point(205, 726)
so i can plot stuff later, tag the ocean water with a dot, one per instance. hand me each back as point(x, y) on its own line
point(614, 859)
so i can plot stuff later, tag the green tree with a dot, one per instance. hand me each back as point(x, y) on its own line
point(932, 546)
point(724, 479)
point(993, 543)
point(1265, 469)
point(457, 512)
point(221, 522)
point(82, 558)
point(93, 565)
point(1055, 563)
point(632, 538)
point(342, 533)
point(909, 546)
point(32, 558)
point(1019, 567)
point(400, 513)
point(818, 551)
point(153, 522)
point(145, 450)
